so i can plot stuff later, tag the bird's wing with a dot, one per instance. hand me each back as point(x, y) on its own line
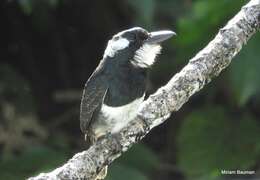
point(93, 96)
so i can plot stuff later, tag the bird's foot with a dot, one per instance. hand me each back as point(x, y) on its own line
point(144, 126)
point(102, 174)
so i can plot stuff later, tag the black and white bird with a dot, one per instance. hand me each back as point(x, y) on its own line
point(115, 90)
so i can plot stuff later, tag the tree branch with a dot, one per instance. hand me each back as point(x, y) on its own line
point(200, 70)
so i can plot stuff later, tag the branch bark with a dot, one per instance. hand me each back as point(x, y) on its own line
point(200, 70)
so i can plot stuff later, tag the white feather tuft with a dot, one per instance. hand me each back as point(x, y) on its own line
point(115, 45)
point(145, 56)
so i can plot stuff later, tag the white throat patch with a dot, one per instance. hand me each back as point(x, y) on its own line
point(115, 45)
point(145, 56)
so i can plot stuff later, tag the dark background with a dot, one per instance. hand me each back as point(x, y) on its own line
point(49, 48)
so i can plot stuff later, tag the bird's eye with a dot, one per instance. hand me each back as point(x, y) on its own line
point(116, 38)
point(141, 36)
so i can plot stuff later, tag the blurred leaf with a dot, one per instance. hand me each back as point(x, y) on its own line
point(119, 172)
point(53, 3)
point(33, 161)
point(134, 164)
point(244, 72)
point(201, 22)
point(211, 140)
point(16, 89)
point(145, 10)
point(26, 6)
point(141, 158)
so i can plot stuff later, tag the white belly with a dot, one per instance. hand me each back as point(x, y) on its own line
point(113, 119)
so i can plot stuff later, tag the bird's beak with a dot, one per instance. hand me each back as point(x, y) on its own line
point(159, 36)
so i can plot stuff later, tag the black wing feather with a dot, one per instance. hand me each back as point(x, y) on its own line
point(93, 96)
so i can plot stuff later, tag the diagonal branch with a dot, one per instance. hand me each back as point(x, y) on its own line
point(200, 70)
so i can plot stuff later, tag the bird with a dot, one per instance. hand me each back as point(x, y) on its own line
point(116, 89)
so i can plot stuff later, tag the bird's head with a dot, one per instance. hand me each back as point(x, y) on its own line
point(137, 46)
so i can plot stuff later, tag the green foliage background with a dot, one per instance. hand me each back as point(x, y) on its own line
point(51, 47)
